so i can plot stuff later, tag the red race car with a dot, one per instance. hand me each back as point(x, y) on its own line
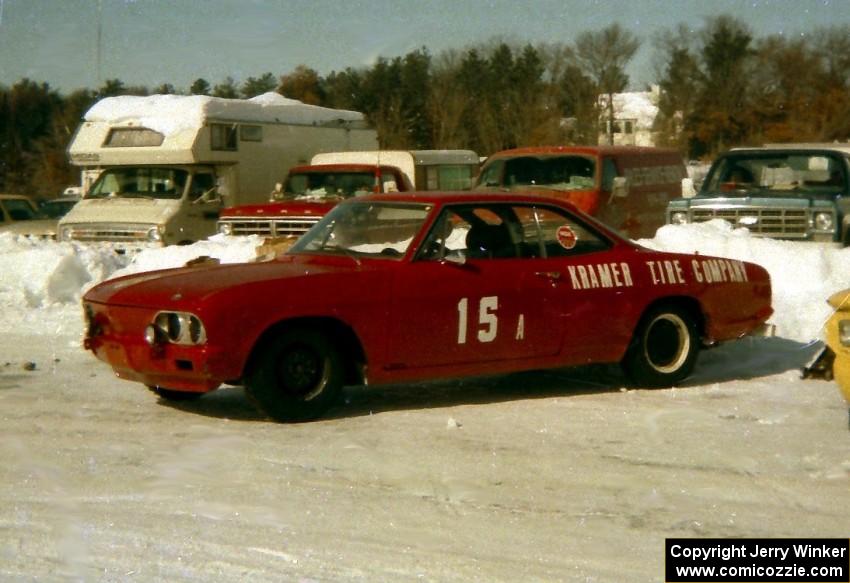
point(403, 287)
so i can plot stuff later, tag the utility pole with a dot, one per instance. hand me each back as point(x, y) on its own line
point(99, 37)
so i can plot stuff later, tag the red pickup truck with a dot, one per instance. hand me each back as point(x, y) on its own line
point(307, 195)
point(311, 191)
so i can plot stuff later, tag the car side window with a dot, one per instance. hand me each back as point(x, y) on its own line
point(551, 233)
point(473, 232)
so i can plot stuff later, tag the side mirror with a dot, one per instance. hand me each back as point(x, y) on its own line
point(688, 190)
point(620, 187)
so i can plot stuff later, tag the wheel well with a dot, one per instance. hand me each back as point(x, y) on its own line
point(342, 336)
point(690, 305)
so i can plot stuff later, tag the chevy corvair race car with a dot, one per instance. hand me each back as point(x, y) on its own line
point(404, 287)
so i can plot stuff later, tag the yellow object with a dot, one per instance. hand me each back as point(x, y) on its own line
point(841, 367)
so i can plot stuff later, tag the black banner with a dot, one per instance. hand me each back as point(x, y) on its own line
point(757, 560)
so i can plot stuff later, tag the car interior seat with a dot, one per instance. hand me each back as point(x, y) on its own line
point(485, 241)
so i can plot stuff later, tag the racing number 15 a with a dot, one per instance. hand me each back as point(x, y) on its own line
point(486, 318)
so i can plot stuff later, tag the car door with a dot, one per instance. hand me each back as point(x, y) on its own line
point(591, 284)
point(471, 294)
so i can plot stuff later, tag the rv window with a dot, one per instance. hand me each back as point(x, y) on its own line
point(432, 178)
point(456, 177)
point(201, 183)
point(139, 182)
point(223, 137)
point(251, 133)
point(133, 138)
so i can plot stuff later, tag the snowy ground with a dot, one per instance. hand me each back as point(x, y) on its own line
point(556, 476)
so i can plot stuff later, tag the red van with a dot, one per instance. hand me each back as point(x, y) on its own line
point(627, 187)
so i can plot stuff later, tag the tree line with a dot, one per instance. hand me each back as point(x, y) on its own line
point(721, 86)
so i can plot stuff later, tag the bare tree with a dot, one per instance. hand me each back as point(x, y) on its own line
point(603, 56)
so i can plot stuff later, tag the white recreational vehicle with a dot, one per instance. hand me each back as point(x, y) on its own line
point(160, 168)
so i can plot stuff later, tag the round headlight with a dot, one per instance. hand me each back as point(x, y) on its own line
point(65, 233)
point(197, 335)
point(679, 218)
point(225, 228)
point(154, 234)
point(823, 221)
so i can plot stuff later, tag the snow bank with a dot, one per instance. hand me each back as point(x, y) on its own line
point(170, 114)
point(803, 275)
point(43, 281)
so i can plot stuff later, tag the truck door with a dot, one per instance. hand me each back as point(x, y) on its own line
point(204, 206)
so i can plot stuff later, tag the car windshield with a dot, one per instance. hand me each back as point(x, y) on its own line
point(56, 209)
point(555, 172)
point(20, 210)
point(366, 229)
point(139, 183)
point(776, 174)
point(329, 185)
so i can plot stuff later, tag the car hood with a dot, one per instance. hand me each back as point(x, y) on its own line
point(184, 287)
point(37, 228)
point(801, 200)
point(280, 209)
point(125, 210)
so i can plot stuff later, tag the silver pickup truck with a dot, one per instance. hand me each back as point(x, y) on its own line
point(784, 191)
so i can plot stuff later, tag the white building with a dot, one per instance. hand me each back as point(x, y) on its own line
point(634, 118)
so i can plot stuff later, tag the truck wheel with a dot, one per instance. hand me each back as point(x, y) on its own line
point(664, 348)
point(172, 395)
point(296, 377)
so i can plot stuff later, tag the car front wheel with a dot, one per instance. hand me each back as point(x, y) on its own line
point(664, 348)
point(297, 376)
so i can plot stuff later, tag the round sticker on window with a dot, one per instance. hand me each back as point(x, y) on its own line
point(566, 237)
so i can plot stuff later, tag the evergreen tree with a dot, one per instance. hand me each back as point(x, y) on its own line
point(254, 86)
point(200, 86)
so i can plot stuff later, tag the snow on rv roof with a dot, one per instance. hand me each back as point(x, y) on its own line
point(169, 114)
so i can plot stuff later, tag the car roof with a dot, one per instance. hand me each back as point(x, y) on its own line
point(442, 198)
point(465, 196)
point(843, 148)
point(586, 150)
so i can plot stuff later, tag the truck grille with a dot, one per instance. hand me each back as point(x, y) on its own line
point(271, 227)
point(105, 232)
point(790, 223)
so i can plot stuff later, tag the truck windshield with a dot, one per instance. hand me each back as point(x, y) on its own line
point(365, 229)
point(329, 185)
point(139, 183)
point(775, 174)
point(555, 172)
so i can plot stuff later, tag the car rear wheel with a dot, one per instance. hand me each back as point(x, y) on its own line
point(297, 376)
point(172, 395)
point(664, 348)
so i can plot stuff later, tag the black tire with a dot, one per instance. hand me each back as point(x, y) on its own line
point(664, 348)
point(172, 395)
point(296, 376)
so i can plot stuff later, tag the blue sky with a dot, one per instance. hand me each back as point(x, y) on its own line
point(149, 42)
